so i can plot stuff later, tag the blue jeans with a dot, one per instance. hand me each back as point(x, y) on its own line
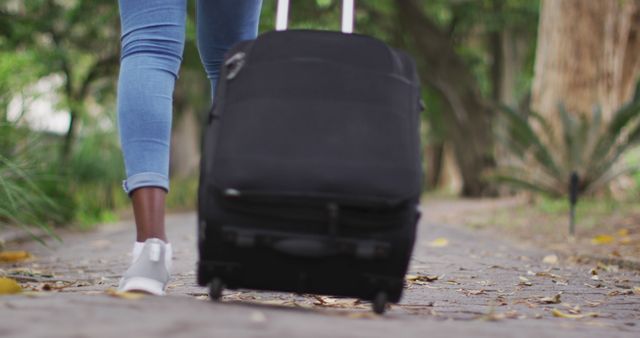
point(153, 33)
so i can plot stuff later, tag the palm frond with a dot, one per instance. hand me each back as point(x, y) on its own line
point(583, 145)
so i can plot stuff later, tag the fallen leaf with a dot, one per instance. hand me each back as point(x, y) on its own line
point(558, 313)
point(597, 286)
point(549, 275)
point(337, 302)
point(636, 290)
point(602, 239)
point(550, 259)
point(550, 300)
point(608, 268)
point(573, 309)
point(14, 256)
point(524, 281)
point(622, 232)
point(124, 294)
point(420, 279)
point(501, 300)
point(620, 293)
point(9, 286)
point(438, 242)
point(592, 303)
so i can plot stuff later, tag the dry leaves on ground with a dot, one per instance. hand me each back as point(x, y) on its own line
point(558, 313)
point(9, 286)
point(524, 281)
point(420, 279)
point(14, 256)
point(326, 301)
point(551, 300)
point(602, 239)
point(124, 294)
point(438, 242)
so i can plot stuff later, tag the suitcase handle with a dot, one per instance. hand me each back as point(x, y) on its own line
point(282, 16)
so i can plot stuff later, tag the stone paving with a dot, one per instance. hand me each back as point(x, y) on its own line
point(461, 283)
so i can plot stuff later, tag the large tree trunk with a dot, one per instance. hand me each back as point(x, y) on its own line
point(513, 48)
point(467, 117)
point(588, 54)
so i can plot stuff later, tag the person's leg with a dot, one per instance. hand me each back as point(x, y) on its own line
point(152, 45)
point(222, 23)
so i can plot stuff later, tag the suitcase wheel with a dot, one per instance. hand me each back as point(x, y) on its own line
point(379, 304)
point(215, 289)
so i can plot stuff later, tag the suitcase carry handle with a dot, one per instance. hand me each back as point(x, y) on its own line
point(282, 16)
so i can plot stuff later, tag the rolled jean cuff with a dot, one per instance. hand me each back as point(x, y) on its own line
point(145, 180)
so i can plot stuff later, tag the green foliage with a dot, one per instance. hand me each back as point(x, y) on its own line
point(544, 158)
point(184, 194)
point(23, 199)
point(94, 173)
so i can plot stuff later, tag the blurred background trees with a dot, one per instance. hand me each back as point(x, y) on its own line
point(494, 74)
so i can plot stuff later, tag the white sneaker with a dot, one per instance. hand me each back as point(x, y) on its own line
point(149, 271)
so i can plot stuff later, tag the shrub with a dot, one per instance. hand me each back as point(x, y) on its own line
point(542, 159)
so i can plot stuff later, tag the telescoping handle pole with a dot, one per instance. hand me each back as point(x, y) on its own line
point(282, 16)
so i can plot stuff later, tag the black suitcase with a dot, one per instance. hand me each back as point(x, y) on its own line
point(311, 168)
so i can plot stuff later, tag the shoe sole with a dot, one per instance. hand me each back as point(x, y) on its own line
point(143, 284)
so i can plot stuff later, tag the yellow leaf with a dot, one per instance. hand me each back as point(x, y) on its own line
point(622, 232)
point(9, 286)
point(550, 259)
point(124, 294)
point(602, 239)
point(14, 256)
point(558, 313)
point(439, 242)
point(421, 278)
point(636, 290)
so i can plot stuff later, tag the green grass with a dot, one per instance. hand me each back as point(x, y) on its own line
point(183, 195)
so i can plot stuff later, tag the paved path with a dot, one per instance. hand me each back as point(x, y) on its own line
point(484, 287)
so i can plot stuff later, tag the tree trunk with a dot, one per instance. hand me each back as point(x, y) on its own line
point(588, 54)
point(434, 158)
point(468, 118)
point(69, 137)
